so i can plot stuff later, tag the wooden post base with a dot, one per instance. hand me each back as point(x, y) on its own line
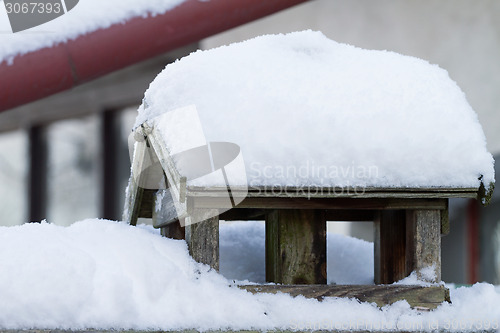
point(203, 241)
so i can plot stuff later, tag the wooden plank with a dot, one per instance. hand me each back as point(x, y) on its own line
point(133, 198)
point(243, 214)
point(423, 243)
point(250, 214)
point(333, 192)
point(165, 211)
point(147, 203)
point(146, 177)
point(351, 215)
point(176, 182)
point(174, 231)
point(445, 220)
point(273, 255)
point(416, 296)
point(322, 203)
point(133, 203)
point(390, 246)
point(296, 246)
point(203, 240)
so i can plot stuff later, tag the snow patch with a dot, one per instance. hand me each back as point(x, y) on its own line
point(106, 275)
point(425, 277)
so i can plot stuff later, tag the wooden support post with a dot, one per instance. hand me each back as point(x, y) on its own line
point(423, 244)
point(296, 246)
point(445, 220)
point(173, 230)
point(390, 246)
point(203, 239)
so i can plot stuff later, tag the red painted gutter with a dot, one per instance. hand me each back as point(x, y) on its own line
point(51, 70)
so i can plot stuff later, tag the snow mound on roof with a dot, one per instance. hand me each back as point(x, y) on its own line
point(308, 111)
point(87, 16)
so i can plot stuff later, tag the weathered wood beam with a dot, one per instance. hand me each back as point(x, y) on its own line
point(243, 214)
point(147, 203)
point(296, 246)
point(203, 238)
point(416, 296)
point(445, 220)
point(335, 192)
point(322, 203)
point(133, 199)
point(165, 211)
point(423, 243)
point(174, 231)
point(250, 214)
point(133, 202)
point(351, 215)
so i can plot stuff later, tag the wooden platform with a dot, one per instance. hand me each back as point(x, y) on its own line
point(417, 296)
point(313, 330)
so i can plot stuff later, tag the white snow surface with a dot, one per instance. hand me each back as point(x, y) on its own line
point(87, 16)
point(101, 274)
point(308, 111)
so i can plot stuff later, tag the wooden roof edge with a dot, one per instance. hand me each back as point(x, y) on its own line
point(337, 192)
point(257, 188)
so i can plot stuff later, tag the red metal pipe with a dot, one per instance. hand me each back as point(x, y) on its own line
point(51, 70)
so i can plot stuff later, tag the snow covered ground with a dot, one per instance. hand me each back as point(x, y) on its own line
point(103, 274)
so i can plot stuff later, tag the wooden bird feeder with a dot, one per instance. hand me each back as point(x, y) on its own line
point(409, 223)
point(292, 99)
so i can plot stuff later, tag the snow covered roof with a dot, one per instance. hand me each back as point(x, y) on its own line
point(86, 17)
point(306, 110)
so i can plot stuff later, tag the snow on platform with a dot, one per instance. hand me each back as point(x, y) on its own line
point(100, 274)
point(307, 110)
